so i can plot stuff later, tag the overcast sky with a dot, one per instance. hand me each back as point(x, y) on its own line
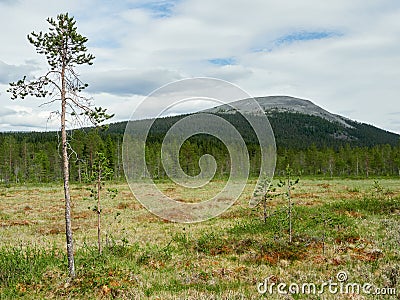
point(342, 55)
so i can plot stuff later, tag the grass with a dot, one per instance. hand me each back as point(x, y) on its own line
point(338, 225)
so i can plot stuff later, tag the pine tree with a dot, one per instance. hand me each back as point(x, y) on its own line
point(64, 49)
point(99, 173)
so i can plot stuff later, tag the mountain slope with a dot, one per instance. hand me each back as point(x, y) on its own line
point(296, 123)
point(285, 104)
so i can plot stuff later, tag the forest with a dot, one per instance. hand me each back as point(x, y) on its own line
point(34, 157)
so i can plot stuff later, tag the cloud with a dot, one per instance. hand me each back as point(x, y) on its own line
point(345, 113)
point(395, 125)
point(8, 2)
point(231, 73)
point(10, 73)
point(5, 111)
point(125, 82)
point(343, 55)
point(23, 118)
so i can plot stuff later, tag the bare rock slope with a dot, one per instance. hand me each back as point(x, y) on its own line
point(272, 104)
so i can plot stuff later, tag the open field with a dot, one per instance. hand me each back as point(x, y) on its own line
point(350, 226)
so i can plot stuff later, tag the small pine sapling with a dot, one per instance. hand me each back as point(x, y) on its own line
point(377, 190)
point(263, 192)
point(326, 221)
point(289, 184)
point(101, 171)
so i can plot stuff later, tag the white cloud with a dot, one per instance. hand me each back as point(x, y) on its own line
point(127, 82)
point(10, 73)
point(22, 118)
point(139, 47)
point(8, 2)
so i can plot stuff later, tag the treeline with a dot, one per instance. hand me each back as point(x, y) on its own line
point(35, 157)
point(379, 160)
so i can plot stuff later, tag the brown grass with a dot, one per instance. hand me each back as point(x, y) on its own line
point(229, 269)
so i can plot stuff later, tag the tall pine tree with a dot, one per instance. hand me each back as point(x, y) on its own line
point(64, 49)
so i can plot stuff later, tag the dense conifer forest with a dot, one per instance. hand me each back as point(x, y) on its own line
point(311, 145)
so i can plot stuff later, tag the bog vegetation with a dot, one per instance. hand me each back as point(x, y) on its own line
point(337, 225)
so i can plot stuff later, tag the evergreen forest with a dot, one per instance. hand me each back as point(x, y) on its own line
point(311, 145)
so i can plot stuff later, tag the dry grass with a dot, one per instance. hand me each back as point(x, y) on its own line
point(225, 257)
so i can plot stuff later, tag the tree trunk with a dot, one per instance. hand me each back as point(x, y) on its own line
point(25, 163)
point(357, 167)
point(68, 226)
point(79, 172)
point(99, 210)
point(323, 238)
point(265, 208)
point(290, 209)
point(118, 158)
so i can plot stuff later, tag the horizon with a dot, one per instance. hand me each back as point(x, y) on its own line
point(181, 114)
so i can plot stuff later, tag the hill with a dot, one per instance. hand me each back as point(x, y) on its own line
point(310, 139)
point(296, 123)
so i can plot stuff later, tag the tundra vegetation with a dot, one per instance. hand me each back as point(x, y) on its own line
point(351, 225)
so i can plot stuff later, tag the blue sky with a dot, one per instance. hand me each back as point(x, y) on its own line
point(296, 37)
point(158, 9)
point(342, 55)
point(301, 36)
point(225, 61)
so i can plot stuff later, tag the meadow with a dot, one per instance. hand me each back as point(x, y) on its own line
point(341, 227)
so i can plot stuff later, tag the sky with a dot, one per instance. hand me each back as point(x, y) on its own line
point(342, 55)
